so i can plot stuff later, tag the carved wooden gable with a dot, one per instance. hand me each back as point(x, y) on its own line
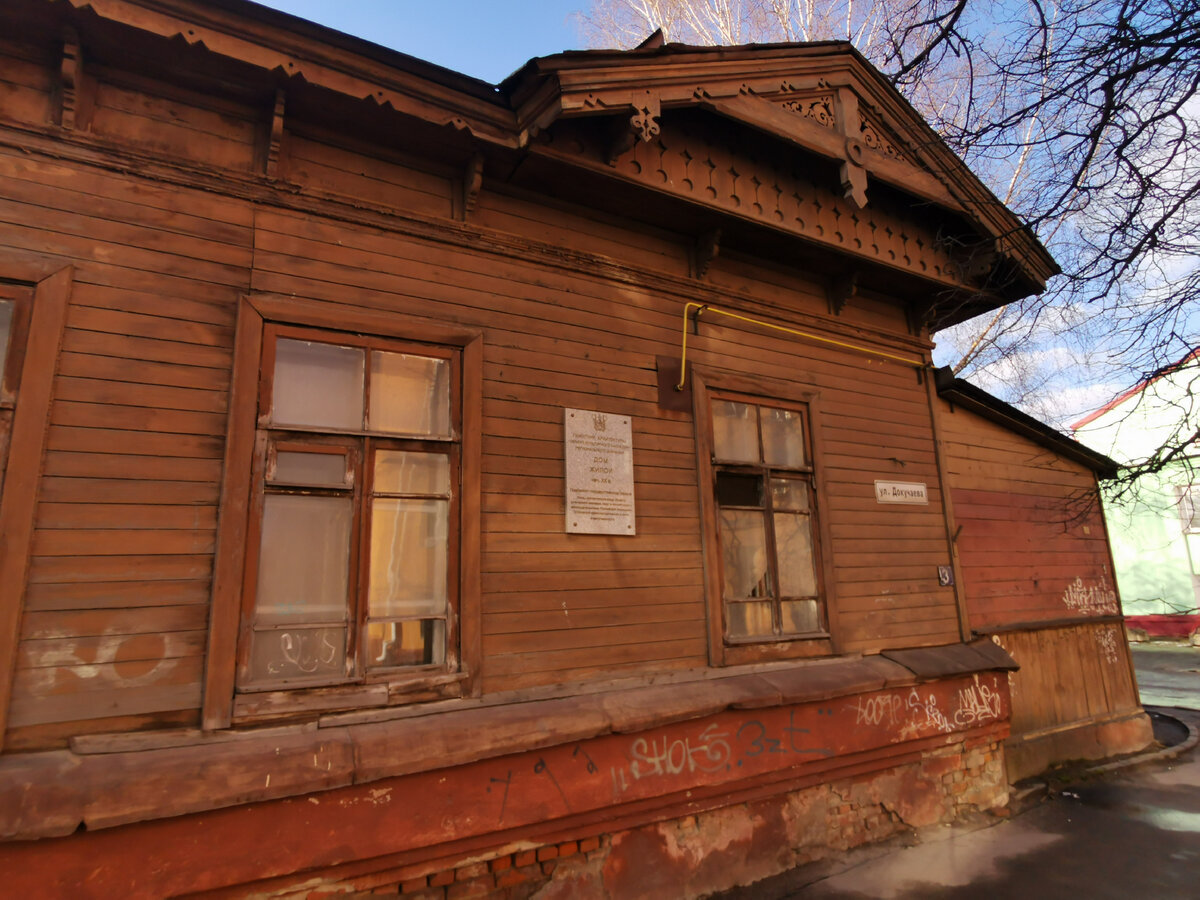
point(794, 137)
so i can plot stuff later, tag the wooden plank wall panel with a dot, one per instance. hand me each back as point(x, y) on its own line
point(117, 603)
point(1016, 500)
point(1068, 674)
point(316, 164)
point(174, 122)
point(555, 339)
point(26, 83)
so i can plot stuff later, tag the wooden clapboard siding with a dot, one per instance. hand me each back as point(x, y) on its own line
point(1014, 499)
point(26, 82)
point(571, 340)
point(314, 162)
point(126, 520)
point(174, 122)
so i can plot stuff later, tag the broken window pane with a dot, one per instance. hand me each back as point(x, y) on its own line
point(793, 545)
point(744, 552)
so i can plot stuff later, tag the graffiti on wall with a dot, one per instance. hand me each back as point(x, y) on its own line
point(1095, 598)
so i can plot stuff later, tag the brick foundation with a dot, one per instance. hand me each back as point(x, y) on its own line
point(694, 855)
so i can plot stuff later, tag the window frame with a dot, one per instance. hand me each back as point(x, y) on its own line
point(225, 702)
point(723, 650)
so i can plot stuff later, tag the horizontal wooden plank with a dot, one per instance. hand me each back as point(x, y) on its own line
point(639, 616)
point(110, 465)
point(133, 418)
point(124, 651)
point(553, 601)
point(139, 443)
point(116, 594)
point(149, 396)
point(588, 640)
point(120, 516)
point(115, 542)
point(65, 569)
point(128, 490)
point(125, 347)
point(59, 625)
point(695, 649)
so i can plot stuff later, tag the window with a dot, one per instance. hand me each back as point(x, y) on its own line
point(352, 561)
point(767, 580)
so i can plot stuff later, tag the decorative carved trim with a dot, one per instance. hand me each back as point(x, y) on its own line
point(71, 76)
point(472, 182)
point(819, 109)
point(875, 137)
point(702, 165)
point(708, 246)
point(645, 117)
point(276, 135)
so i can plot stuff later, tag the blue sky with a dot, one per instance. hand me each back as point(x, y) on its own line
point(489, 39)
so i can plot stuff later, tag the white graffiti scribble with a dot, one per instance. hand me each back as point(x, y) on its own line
point(976, 704)
point(1106, 640)
point(650, 757)
point(1096, 597)
point(911, 713)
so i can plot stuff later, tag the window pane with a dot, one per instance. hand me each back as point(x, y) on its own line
point(317, 385)
point(409, 394)
point(401, 472)
point(298, 653)
point(789, 493)
point(734, 489)
point(303, 567)
point(735, 431)
point(793, 543)
point(6, 316)
point(749, 619)
point(800, 616)
point(408, 557)
point(317, 469)
point(783, 437)
point(744, 554)
point(414, 643)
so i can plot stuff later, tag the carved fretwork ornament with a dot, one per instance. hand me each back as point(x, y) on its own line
point(645, 117)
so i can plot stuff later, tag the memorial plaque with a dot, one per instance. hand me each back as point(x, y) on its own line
point(599, 455)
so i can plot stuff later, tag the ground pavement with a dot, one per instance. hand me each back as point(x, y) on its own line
point(1125, 831)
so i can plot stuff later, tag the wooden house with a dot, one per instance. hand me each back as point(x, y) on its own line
point(422, 486)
